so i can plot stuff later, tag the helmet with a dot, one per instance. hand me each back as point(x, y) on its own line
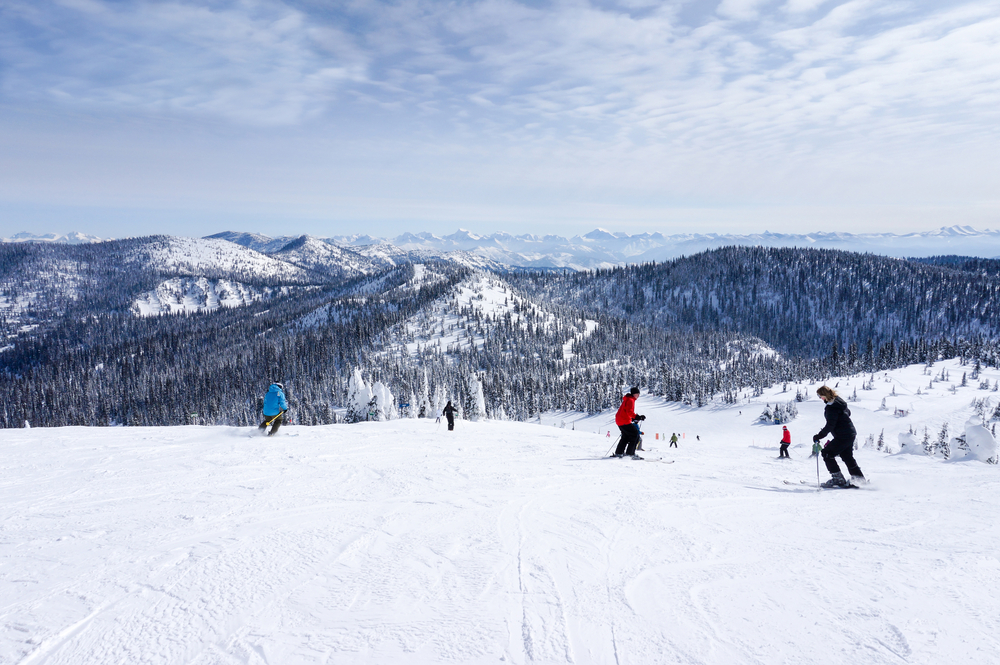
point(280, 385)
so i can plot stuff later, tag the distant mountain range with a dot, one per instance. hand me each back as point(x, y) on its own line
point(72, 238)
point(598, 249)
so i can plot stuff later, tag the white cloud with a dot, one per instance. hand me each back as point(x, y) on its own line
point(253, 61)
point(794, 101)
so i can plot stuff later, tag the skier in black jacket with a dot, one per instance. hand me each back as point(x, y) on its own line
point(838, 423)
point(449, 413)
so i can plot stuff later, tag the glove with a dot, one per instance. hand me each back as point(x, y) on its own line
point(640, 417)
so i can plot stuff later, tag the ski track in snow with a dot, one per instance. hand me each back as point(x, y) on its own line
point(400, 542)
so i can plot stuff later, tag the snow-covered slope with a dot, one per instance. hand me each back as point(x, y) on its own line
point(189, 295)
point(454, 321)
point(401, 542)
point(254, 241)
point(209, 257)
point(322, 257)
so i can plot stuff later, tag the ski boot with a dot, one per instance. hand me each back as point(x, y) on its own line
point(636, 457)
point(837, 480)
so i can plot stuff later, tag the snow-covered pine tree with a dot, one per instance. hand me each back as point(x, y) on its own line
point(358, 397)
point(385, 402)
point(881, 441)
point(424, 410)
point(437, 404)
point(943, 443)
point(476, 408)
point(927, 443)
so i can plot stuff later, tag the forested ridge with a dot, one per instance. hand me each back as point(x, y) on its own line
point(800, 301)
point(717, 324)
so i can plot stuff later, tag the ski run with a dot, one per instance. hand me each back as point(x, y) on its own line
point(513, 543)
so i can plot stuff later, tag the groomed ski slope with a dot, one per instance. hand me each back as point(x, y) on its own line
point(401, 542)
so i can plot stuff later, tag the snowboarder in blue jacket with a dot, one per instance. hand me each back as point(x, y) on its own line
point(275, 406)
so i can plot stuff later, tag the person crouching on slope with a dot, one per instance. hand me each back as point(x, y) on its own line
point(838, 423)
point(275, 406)
point(786, 440)
point(630, 431)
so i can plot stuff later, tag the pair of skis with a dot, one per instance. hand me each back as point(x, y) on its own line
point(849, 486)
point(643, 459)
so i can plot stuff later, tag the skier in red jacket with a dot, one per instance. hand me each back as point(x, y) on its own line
point(786, 439)
point(625, 419)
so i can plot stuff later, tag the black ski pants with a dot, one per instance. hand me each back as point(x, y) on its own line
point(844, 448)
point(783, 451)
point(629, 440)
point(274, 421)
point(451, 423)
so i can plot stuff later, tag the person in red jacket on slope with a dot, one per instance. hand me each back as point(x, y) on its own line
point(786, 439)
point(625, 419)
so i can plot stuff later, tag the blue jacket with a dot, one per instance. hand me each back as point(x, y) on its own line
point(274, 401)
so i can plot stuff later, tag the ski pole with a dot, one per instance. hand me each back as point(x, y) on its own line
point(613, 445)
point(817, 468)
point(268, 423)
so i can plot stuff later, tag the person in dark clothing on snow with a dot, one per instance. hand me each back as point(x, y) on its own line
point(838, 423)
point(449, 413)
point(626, 419)
point(275, 406)
point(786, 440)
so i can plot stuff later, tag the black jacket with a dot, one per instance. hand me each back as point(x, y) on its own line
point(838, 421)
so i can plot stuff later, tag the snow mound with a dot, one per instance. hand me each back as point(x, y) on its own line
point(980, 444)
point(908, 445)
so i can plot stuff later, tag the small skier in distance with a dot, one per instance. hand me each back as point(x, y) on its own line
point(449, 413)
point(673, 440)
point(626, 419)
point(838, 423)
point(786, 439)
point(275, 406)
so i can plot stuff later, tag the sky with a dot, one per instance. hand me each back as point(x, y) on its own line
point(124, 117)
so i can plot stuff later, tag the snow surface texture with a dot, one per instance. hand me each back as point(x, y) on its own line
point(500, 542)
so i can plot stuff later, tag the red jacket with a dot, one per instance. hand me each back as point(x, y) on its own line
point(786, 437)
point(626, 412)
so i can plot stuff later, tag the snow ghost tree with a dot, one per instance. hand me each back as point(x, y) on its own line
point(476, 407)
point(359, 395)
point(383, 403)
point(424, 410)
point(413, 410)
point(437, 405)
